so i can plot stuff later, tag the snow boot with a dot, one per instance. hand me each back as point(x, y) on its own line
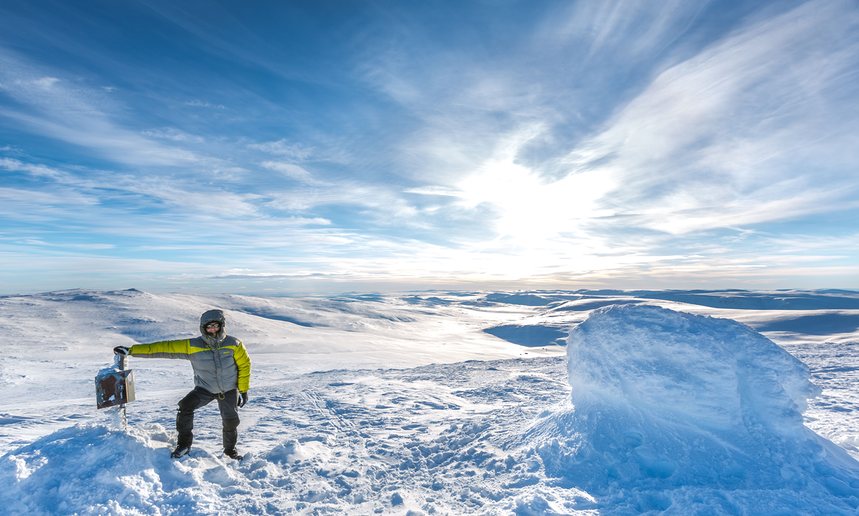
point(233, 454)
point(180, 451)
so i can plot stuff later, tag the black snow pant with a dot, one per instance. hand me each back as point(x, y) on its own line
point(199, 397)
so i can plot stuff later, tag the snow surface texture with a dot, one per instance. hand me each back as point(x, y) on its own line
point(670, 412)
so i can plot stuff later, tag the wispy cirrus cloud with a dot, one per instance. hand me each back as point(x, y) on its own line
point(48, 105)
point(741, 132)
point(173, 134)
point(197, 103)
point(290, 170)
point(285, 149)
point(33, 169)
point(619, 29)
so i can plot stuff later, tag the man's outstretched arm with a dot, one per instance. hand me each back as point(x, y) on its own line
point(162, 349)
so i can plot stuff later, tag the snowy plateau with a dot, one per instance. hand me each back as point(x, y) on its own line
point(538, 402)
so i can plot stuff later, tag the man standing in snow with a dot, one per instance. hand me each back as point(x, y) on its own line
point(222, 371)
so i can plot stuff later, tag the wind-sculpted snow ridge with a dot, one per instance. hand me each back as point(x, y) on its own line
point(673, 411)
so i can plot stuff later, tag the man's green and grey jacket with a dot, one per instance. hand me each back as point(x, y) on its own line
point(216, 369)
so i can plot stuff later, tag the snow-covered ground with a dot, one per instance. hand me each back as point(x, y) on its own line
point(446, 403)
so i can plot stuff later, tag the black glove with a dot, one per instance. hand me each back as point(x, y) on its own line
point(243, 398)
point(121, 350)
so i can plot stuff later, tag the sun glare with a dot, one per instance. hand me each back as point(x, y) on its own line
point(529, 208)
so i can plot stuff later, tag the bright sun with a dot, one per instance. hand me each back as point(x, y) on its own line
point(531, 208)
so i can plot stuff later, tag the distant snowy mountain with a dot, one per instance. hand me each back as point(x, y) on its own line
point(436, 402)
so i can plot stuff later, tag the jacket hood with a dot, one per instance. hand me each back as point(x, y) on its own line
point(213, 316)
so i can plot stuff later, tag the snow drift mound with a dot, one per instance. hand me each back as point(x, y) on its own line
point(682, 369)
point(673, 410)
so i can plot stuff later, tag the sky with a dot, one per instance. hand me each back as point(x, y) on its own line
point(315, 146)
